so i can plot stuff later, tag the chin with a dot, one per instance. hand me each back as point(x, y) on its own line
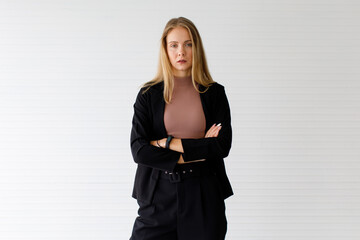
point(184, 69)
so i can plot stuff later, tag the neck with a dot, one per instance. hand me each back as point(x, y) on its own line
point(182, 81)
point(182, 77)
point(178, 73)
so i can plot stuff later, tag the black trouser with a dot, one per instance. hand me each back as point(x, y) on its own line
point(186, 208)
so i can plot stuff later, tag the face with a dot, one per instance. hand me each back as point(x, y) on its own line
point(179, 50)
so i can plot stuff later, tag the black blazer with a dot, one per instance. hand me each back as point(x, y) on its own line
point(148, 124)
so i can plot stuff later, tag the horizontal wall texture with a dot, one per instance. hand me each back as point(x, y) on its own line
point(69, 75)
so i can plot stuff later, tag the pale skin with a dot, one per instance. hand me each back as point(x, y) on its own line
point(179, 47)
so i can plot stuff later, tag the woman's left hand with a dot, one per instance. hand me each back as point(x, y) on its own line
point(213, 131)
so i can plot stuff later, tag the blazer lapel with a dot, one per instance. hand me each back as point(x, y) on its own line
point(204, 98)
point(158, 106)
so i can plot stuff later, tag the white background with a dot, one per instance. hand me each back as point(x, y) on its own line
point(69, 74)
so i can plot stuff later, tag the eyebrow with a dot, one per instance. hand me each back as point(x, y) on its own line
point(177, 41)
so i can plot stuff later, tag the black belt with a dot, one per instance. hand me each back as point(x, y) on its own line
point(188, 170)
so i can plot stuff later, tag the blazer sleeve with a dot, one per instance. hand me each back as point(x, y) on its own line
point(218, 147)
point(142, 151)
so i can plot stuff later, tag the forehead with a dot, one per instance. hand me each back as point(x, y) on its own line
point(178, 34)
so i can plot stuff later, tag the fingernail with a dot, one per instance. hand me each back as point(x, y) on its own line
point(219, 124)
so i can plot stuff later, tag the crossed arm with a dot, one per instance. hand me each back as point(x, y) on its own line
point(215, 145)
point(176, 144)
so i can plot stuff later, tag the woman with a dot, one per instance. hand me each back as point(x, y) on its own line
point(181, 131)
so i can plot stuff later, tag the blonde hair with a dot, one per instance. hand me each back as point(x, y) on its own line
point(199, 71)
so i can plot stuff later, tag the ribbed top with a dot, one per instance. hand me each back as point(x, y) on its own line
point(184, 116)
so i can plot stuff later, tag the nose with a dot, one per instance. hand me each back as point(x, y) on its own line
point(181, 52)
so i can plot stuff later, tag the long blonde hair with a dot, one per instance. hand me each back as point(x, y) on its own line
point(199, 71)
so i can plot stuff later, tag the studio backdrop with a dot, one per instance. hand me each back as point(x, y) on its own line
point(69, 75)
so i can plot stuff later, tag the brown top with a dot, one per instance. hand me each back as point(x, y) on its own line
point(184, 116)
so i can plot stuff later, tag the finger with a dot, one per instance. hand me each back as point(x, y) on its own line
point(216, 129)
point(216, 133)
point(209, 132)
point(212, 130)
point(213, 133)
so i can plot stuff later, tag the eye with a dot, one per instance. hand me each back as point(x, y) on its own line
point(189, 44)
point(172, 45)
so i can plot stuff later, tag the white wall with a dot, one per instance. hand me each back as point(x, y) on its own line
point(69, 74)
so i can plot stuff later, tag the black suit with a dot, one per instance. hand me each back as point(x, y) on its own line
point(148, 124)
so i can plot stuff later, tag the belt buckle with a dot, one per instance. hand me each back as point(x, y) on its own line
point(174, 177)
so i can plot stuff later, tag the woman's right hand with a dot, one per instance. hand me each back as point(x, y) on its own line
point(213, 131)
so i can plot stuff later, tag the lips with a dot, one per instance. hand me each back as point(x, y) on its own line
point(181, 61)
